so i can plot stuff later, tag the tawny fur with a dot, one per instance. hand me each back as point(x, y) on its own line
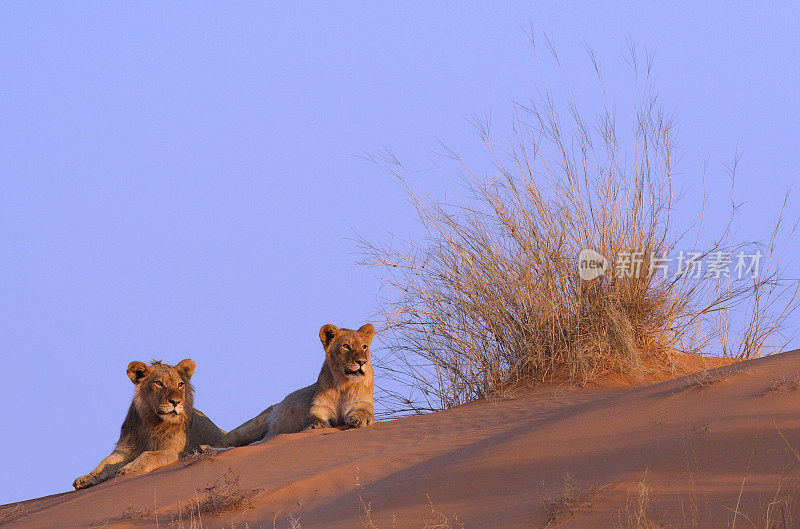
point(161, 423)
point(342, 395)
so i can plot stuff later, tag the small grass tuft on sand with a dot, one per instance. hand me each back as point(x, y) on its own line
point(567, 496)
point(223, 495)
point(197, 456)
point(705, 379)
point(13, 512)
point(784, 383)
point(636, 515)
point(131, 513)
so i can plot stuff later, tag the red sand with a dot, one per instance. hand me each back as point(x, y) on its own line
point(697, 441)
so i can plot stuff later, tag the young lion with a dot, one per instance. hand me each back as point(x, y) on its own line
point(342, 394)
point(161, 423)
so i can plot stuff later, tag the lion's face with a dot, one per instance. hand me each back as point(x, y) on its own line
point(347, 351)
point(162, 389)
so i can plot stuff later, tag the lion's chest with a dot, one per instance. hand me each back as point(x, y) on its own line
point(349, 398)
point(167, 439)
point(339, 401)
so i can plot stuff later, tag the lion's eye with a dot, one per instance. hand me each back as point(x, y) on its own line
point(180, 384)
point(365, 347)
point(345, 346)
point(159, 383)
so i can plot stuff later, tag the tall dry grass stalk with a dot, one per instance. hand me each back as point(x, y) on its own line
point(491, 296)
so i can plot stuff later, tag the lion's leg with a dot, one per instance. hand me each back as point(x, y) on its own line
point(149, 461)
point(253, 430)
point(360, 414)
point(208, 449)
point(107, 469)
point(320, 416)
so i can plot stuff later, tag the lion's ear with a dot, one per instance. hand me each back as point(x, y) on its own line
point(137, 371)
point(327, 333)
point(186, 367)
point(367, 331)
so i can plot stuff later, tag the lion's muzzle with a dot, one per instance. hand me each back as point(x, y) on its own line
point(355, 369)
point(171, 409)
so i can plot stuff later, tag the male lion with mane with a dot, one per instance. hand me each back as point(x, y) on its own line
point(160, 425)
point(341, 396)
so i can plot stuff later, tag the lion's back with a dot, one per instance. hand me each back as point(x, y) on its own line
point(203, 431)
point(291, 414)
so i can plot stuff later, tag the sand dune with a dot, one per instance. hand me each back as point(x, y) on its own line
point(702, 444)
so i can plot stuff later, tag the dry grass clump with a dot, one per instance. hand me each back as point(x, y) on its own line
point(492, 295)
point(562, 502)
point(292, 520)
point(636, 514)
point(224, 495)
point(785, 383)
point(197, 456)
point(438, 520)
point(705, 379)
point(13, 512)
point(131, 513)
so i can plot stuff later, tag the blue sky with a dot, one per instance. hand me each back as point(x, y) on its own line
point(185, 181)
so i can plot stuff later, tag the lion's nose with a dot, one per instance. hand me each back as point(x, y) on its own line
point(174, 402)
point(361, 361)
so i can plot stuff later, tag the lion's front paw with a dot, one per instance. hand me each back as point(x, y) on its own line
point(127, 469)
point(318, 424)
point(85, 481)
point(359, 420)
